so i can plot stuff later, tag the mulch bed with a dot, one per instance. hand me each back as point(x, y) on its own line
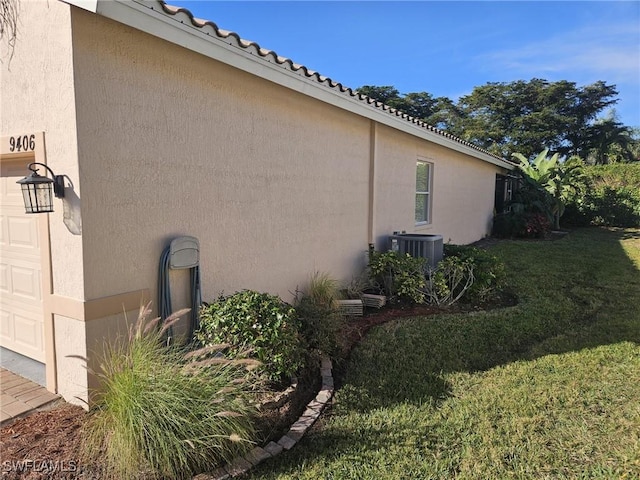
point(44, 445)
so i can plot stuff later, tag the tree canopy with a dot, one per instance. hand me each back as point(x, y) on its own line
point(525, 117)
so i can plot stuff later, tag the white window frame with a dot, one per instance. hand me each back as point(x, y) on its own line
point(427, 193)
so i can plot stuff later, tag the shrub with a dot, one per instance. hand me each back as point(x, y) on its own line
point(619, 207)
point(449, 281)
point(536, 225)
point(402, 276)
point(488, 271)
point(321, 327)
point(260, 322)
point(506, 225)
point(320, 322)
point(615, 175)
point(610, 197)
point(523, 224)
point(163, 411)
point(608, 206)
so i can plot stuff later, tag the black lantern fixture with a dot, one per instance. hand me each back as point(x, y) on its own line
point(36, 189)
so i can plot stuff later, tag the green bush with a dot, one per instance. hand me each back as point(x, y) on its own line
point(610, 196)
point(507, 225)
point(449, 281)
point(402, 277)
point(259, 322)
point(614, 175)
point(619, 207)
point(607, 206)
point(164, 412)
point(320, 322)
point(521, 224)
point(321, 327)
point(488, 271)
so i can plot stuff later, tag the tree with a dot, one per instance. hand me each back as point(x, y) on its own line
point(419, 105)
point(587, 103)
point(9, 24)
point(446, 116)
point(520, 116)
point(559, 179)
point(388, 95)
point(611, 141)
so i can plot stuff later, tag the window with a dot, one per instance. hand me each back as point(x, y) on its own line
point(423, 192)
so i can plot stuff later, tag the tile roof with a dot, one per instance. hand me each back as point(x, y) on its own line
point(233, 38)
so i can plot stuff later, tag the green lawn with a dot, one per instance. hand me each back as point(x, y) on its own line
point(547, 389)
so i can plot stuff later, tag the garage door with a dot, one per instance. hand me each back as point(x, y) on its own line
point(22, 325)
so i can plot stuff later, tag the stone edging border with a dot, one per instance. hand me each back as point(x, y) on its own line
point(243, 464)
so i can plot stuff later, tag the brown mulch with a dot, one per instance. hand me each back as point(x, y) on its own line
point(46, 445)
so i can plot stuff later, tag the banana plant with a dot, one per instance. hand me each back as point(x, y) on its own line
point(556, 177)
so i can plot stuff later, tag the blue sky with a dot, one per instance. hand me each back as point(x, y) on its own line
point(447, 47)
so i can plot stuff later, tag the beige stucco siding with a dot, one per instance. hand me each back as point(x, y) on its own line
point(462, 190)
point(463, 198)
point(36, 95)
point(274, 184)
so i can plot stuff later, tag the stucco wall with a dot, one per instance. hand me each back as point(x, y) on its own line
point(462, 190)
point(36, 95)
point(274, 185)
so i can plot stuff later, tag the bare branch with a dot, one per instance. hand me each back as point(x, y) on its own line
point(9, 24)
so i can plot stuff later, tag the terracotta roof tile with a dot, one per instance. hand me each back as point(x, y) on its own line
point(210, 28)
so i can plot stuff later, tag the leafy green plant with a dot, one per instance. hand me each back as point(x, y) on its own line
point(402, 276)
point(259, 322)
point(449, 281)
point(610, 196)
point(559, 179)
point(164, 411)
point(321, 327)
point(488, 270)
point(619, 207)
point(527, 224)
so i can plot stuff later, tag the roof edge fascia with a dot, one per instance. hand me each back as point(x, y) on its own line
point(89, 5)
point(149, 17)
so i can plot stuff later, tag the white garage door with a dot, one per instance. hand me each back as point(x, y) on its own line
point(22, 325)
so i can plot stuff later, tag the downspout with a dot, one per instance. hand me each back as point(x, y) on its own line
point(373, 137)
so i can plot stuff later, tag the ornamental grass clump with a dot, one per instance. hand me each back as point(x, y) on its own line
point(321, 323)
point(164, 412)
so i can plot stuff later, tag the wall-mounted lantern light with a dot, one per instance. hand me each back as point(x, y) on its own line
point(36, 189)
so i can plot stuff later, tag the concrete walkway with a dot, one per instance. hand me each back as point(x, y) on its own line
point(20, 396)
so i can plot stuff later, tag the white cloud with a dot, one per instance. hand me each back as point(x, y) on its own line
point(608, 52)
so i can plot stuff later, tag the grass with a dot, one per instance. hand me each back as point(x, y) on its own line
point(546, 389)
